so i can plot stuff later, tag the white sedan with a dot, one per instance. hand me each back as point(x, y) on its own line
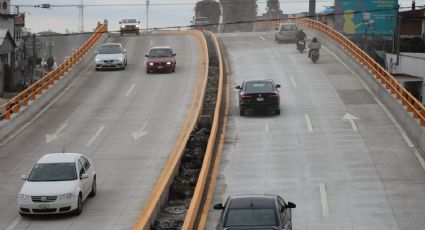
point(58, 183)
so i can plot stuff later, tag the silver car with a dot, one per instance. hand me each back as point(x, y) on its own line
point(111, 56)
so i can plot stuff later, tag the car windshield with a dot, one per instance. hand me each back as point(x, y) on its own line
point(110, 49)
point(259, 87)
point(250, 217)
point(53, 172)
point(160, 53)
point(288, 27)
point(129, 21)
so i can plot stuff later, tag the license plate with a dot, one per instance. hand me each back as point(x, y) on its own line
point(160, 67)
point(43, 206)
point(260, 99)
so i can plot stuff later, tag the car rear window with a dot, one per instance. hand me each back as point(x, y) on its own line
point(160, 53)
point(288, 27)
point(250, 217)
point(259, 87)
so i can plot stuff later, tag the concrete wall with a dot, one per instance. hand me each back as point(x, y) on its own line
point(406, 120)
point(410, 63)
point(62, 45)
point(7, 127)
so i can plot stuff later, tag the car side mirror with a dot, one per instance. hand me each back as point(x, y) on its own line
point(138, 22)
point(124, 50)
point(218, 206)
point(119, 22)
point(291, 205)
point(84, 176)
point(174, 55)
point(278, 86)
point(146, 55)
point(276, 28)
point(24, 177)
point(238, 87)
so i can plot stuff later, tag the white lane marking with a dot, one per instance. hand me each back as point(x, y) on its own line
point(99, 131)
point(294, 83)
point(52, 137)
point(14, 223)
point(267, 128)
point(352, 119)
point(44, 109)
point(130, 90)
point(140, 133)
point(262, 38)
point(276, 53)
point(308, 121)
point(393, 120)
point(324, 198)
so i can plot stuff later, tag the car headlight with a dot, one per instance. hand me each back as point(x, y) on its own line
point(151, 64)
point(168, 63)
point(119, 59)
point(137, 26)
point(98, 60)
point(66, 196)
point(24, 198)
point(123, 26)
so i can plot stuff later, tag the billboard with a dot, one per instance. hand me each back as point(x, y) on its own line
point(377, 17)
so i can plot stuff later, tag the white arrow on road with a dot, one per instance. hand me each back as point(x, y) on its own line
point(54, 136)
point(140, 133)
point(352, 119)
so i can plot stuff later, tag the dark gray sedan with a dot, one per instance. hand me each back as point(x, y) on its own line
point(263, 212)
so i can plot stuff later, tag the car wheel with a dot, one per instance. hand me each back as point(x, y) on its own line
point(277, 112)
point(241, 113)
point(173, 70)
point(97, 69)
point(122, 33)
point(147, 71)
point(79, 208)
point(93, 188)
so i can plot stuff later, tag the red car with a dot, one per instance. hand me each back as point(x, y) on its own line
point(160, 59)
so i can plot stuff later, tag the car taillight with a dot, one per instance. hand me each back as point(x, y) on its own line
point(245, 97)
point(274, 95)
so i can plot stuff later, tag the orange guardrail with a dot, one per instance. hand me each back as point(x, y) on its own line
point(192, 212)
point(412, 104)
point(30, 94)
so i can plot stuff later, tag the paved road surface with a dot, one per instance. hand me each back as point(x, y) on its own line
point(339, 178)
point(97, 117)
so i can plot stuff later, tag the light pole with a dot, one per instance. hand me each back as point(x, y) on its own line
point(147, 15)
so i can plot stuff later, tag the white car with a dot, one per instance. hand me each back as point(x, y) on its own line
point(58, 183)
point(111, 56)
point(129, 26)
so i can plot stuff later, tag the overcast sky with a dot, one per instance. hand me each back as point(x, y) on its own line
point(168, 13)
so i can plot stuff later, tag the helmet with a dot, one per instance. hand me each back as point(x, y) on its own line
point(314, 39)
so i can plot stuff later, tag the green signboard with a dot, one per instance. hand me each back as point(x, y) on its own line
point(377, 17)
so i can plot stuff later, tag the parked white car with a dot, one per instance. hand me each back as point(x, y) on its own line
point(111, 56)
point(58, 183)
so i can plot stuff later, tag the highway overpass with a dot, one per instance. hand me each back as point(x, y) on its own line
point(341, 149)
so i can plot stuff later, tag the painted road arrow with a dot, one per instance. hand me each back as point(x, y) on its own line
point(140, 133)
point(352, 119)
point(54, 136)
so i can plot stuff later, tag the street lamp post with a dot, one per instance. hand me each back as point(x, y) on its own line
point(147, 14)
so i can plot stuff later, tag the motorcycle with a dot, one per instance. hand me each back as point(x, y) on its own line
point(314, 55)
point(301, 45)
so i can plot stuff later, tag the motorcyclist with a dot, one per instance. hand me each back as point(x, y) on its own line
point(300, 36)
point(314, 45)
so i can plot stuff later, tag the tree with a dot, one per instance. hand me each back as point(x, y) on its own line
point(273, 9)
point(238, 15)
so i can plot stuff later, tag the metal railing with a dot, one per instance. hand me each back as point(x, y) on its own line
point(412, 104)
point(23, 99)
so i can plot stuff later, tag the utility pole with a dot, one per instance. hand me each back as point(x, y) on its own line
point(34, 55)
point(398, 34)
point(81, 17)
point(147, 15)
